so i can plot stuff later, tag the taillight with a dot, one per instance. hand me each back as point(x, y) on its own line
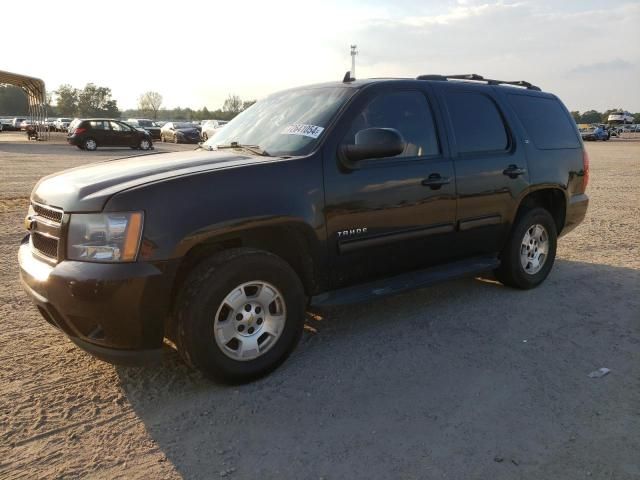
point(79, 130)
point(585, 169)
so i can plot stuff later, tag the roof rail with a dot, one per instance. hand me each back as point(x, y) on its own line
point(479, 78)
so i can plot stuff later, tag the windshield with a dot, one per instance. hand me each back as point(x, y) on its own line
point(286, 123)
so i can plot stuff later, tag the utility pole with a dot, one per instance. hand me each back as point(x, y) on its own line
point(354, 52)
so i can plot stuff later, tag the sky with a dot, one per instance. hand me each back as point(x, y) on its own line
point(196, 53)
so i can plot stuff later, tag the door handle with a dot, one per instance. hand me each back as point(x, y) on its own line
point(435, 181)
point(513, 171)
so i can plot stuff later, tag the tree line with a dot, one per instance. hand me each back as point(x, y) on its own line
point(593, 116)
point(97, 101)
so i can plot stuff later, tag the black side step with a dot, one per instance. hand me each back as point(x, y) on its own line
point(405, 282)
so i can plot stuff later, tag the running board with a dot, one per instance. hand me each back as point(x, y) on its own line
point(405, 282)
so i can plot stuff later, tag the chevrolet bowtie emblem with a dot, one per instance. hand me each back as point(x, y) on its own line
point(29, 222)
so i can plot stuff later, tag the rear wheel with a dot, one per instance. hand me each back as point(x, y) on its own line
point(239, 314)
point(90, 144)
point(145, 144)
point(530, 252)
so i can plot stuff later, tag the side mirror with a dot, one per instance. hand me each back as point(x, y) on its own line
point(375, 143)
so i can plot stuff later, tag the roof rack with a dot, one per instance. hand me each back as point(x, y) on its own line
point(478, 78)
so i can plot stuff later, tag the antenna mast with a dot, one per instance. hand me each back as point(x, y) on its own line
point(354, 52)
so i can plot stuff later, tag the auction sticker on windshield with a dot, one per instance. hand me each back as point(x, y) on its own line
point(301, 129)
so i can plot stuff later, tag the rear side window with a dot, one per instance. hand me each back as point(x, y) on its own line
point(546, 122)
point(477, 123)
point(98, 125)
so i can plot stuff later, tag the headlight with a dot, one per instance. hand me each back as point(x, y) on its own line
point(104, 237)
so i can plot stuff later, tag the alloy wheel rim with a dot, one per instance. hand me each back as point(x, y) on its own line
point(534, 249)
point(144, 144)
point(91, 145)
point(250, 320)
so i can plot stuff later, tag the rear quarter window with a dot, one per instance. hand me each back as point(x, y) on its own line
point(545, 121)
point(477, 124)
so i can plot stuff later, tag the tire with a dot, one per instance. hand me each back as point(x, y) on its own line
point(512, 272)
point(90, 144)
point(175, 139)
point(205, 137)
point(145, 144)
point(162, 138)
point(202, 311)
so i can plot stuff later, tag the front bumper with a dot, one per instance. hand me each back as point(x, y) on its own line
point(116, 312)
point(576, 211)
point(185, 139)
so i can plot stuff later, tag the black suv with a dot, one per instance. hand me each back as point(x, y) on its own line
point(91, 133)
point(320, 195)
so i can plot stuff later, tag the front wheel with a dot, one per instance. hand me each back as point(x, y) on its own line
point(175, 139)
point(530, 251)
point(239, 314)
point(205, 137)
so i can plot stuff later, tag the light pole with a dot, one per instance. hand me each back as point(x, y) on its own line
point(354, 52)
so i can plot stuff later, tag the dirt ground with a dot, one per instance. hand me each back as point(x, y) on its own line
point(464, 380)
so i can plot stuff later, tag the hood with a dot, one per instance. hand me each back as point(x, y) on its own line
point(87, 188)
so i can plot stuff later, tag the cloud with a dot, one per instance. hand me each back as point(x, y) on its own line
point(614, 65)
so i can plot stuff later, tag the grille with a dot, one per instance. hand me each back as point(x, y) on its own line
point(45, 245)
point(48, 213)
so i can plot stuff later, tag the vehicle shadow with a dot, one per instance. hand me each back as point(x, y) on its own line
point(44, 148)
point(436, 382)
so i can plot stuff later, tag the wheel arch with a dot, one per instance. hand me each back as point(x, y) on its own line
point(553, 198)
point(295, 242)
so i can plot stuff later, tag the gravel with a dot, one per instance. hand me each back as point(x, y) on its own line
point(466, 379)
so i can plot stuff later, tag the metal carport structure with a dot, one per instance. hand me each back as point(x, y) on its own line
point(36, 97)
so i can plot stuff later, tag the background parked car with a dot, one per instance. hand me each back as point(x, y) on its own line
point(62, 124)
point(16, 122)
point(89, 134)
point(594, 133)
point(149, 125)
point(179, 132)
point(210, 126)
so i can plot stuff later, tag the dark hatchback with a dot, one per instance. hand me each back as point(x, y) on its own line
point(180, 132)
point(146, 124)
point(89, 134)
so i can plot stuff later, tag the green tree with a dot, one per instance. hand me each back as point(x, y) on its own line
point(67, 100)
point(636, 118)
point(591, 116)
point(247, 104)
point(94, 101)
point(232, 105)
point(149, 103)
point(576, 116)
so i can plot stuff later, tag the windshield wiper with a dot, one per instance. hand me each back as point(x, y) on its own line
point(255, 149)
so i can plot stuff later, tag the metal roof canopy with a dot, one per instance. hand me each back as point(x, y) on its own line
point(36, 97)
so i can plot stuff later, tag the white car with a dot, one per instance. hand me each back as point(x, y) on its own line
point(62, 124)
point(209, 128)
